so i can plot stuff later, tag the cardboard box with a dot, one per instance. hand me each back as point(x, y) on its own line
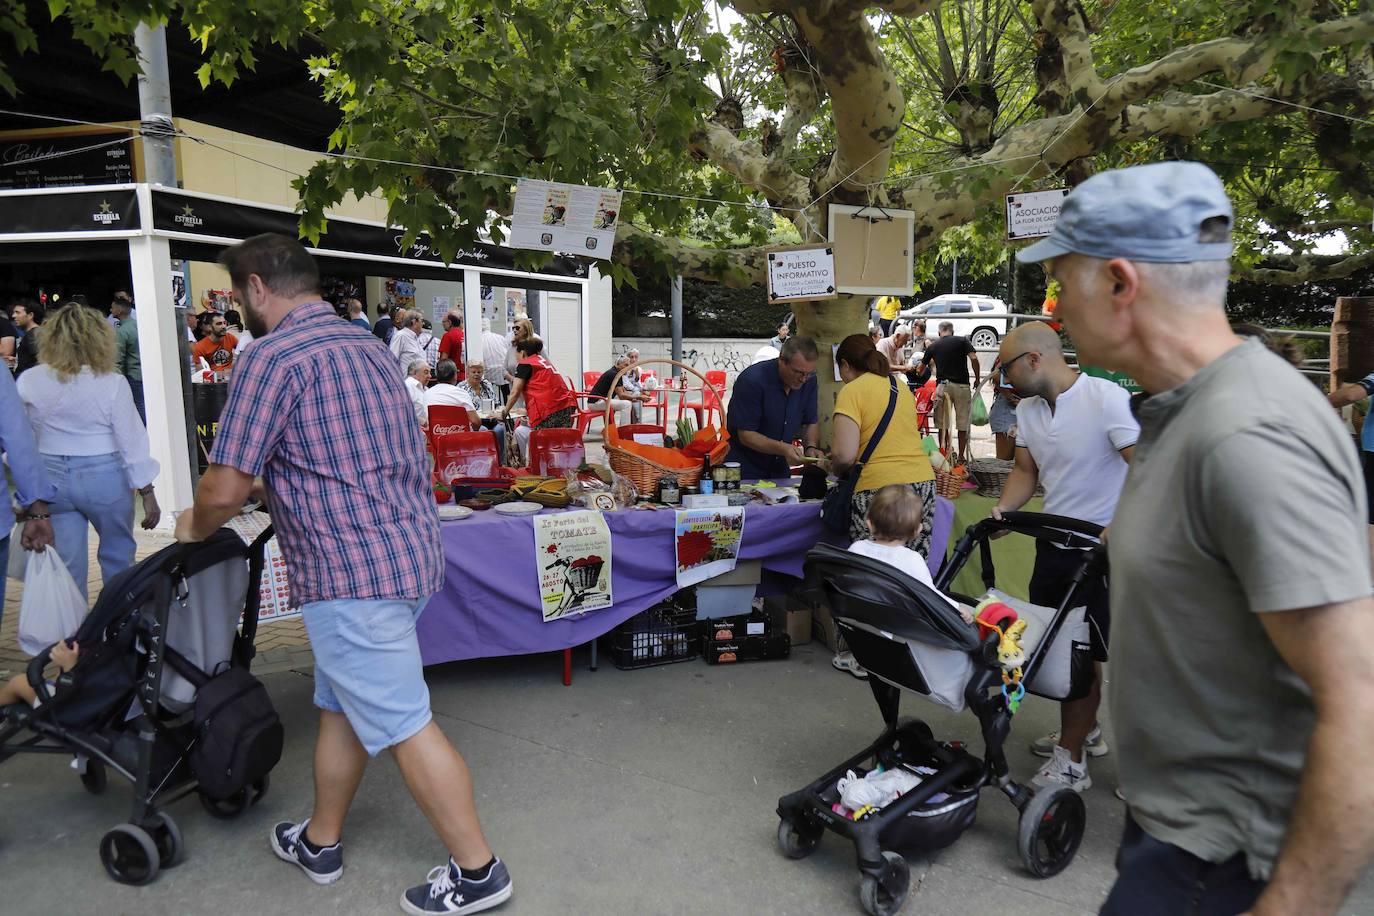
point(788, 614)
point(705, 501)
point(746, 572)
point(739, 627)
point(823, 627)
point(748, 649)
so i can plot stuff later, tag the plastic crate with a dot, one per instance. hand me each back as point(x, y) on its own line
point(663, 634)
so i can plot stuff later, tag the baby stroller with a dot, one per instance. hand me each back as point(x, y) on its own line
point(161, 694)
point(909, 638)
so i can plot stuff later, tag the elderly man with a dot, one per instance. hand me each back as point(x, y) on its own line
point(417, 382)
point(894, 349)
point(951, 357)
point(451, 344)
point(445, 392)
point(623, 402)
point(1075, 435)
point(487, 398)
point(772, 404)
point(1239, 566)
point(345, 474)
point(405, 343)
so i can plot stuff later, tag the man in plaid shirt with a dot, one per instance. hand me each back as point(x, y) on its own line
point(345, 476)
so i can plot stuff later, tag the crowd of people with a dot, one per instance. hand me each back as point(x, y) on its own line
point(1240, 742)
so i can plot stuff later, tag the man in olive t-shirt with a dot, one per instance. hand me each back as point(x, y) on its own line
point(1240, 581)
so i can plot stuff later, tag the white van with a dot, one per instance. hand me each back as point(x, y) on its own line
point(982, 319)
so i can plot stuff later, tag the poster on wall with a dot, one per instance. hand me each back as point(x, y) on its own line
point(553, 216)
point(180, 298)
point(573, 551)
point(273, 591)
point(707, 543)
point(399, 292)
point(439, 306)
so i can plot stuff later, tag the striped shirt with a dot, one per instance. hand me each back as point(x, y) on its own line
point(319, 409)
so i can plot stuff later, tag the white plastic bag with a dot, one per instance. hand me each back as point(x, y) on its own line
point(52, 607)
point(18, 555)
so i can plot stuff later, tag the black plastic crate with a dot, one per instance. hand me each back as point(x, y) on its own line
point(663, 634)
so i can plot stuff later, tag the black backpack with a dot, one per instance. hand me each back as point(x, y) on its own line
point(238, 736)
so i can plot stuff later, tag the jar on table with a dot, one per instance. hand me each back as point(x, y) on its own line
point(732, 474)
point(669, 494)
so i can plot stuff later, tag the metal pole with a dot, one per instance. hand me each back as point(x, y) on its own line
point(676, 297)
point(954, 283)
point(160, 167)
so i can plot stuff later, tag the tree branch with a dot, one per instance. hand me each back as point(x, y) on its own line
point(1066, 21)
point(745, 161)
point(1306, 269)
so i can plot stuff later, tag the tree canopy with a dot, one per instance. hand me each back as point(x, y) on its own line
point(735, 136)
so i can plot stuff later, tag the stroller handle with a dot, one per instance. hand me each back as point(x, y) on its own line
point(1019, 520)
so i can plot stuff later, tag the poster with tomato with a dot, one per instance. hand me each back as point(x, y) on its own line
point(573, 557)
point(707, 542)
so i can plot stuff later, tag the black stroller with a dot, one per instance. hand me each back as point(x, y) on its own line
point(909, 638)
point(161, 694)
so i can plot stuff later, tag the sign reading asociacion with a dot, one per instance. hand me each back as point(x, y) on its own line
point(1032, 214)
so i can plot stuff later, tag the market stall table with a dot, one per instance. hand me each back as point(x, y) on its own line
point(489, 605)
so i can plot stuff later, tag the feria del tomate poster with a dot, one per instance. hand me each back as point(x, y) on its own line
point(573, 555)
point(707, 542)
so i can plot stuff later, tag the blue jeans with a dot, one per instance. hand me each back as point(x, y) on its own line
point(94, 489)
point(4, 565)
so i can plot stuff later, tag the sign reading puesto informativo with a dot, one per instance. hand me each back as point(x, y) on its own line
point(1032, 214)
point(801, 273)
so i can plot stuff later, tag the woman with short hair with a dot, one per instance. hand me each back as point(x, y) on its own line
point(94, 446)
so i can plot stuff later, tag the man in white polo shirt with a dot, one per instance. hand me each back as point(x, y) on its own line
point(1074, 435)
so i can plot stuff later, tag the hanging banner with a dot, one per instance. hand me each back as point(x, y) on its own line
point(574, 218)
point(573, 555)
point(1033, 214)
point(801, 273)
point(707, 543)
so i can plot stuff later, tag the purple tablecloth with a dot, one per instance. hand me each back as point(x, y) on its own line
point(489, 605)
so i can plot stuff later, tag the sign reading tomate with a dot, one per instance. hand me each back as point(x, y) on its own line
point(801, 273)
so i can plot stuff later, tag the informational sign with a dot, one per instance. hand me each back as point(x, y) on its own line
point(1032, 214)
point(707, 543)
point(439, 306)
point(66, 161)
point(274, 594)
point(552, 216)
point(801, 273)
point(573, 555)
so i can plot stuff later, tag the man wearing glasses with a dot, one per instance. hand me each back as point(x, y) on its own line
point(772, 404)
point(1074, 434)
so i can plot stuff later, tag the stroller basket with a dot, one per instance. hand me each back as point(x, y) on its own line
point(909, 637)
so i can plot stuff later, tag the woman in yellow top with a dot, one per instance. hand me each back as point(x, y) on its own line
point(899, 456)
point(888, 307)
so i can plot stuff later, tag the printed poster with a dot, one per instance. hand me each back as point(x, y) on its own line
point(553, 216)
point(573, 557)
point(273, 592)
point(439, 308)
point(707, 542)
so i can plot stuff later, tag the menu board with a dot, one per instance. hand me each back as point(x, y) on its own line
point(68, 160)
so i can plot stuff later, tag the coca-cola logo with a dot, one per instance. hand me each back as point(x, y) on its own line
point(445, 430)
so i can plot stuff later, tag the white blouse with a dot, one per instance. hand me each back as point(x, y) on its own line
point(87, 414)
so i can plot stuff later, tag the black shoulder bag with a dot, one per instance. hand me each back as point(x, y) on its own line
point(835, 509)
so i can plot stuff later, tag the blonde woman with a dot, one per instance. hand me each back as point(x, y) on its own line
point(92, 443)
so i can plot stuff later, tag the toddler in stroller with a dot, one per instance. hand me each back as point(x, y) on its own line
point(910, 637)
point(155, 686)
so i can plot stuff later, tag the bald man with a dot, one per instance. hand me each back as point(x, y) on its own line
point(1074, 434)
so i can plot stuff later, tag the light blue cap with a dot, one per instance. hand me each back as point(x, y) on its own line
point(1143, 213)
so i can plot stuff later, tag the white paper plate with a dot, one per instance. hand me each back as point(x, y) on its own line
point(451, 513)
point(520, 508)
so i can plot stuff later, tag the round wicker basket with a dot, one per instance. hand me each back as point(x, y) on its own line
point(643, 472)
point(949, 484)
point(990, 474)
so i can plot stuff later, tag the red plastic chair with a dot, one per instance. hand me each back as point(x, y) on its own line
point(466, 456)
point(589, 406)
point(710, 401)
point(554, 452)
point(445, 419)
point(589, 380)
point(925, 405)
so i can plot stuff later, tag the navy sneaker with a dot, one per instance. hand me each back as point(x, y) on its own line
point(324, 867)
point(447, 891)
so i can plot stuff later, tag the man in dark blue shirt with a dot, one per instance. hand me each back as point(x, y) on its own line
point(773, 403)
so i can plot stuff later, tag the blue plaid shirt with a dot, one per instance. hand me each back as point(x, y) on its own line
point(319, 409)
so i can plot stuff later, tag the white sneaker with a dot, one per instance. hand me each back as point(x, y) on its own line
point(845, 661)
point(1060, 770)
point(1094, 746)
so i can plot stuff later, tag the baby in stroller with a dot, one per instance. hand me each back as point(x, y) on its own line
point(18, 689)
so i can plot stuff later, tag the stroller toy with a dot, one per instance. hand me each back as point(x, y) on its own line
point(908, 637)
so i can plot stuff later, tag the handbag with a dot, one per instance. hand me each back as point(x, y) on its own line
point(835, 509)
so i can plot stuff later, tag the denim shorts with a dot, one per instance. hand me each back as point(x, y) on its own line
point(367, 666)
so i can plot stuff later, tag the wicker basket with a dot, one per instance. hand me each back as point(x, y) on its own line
point(990, 474)
point(949, 484)
point(643, 472)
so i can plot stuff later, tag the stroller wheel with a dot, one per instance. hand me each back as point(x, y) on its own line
point(226, 809)
point(129, 855)
point(1051, 828)
point(798, 841)
point(260, 789)
point(94, 777)
point(167, 836)
point(884, 895)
